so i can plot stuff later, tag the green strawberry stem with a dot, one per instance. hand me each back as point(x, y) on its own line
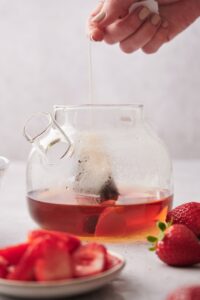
point(162, 226)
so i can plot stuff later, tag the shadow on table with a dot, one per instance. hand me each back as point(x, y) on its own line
point(117, 290)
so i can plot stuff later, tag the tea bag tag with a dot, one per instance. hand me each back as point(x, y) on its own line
point(152, 5)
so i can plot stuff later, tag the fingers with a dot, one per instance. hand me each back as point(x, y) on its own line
point(142, 36)
point(113, 10)
point(106, 13)
point(161, 37)
point(97, 10)
point(127, 26)
point(94, 32)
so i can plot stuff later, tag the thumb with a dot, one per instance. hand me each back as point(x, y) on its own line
point(112, 10)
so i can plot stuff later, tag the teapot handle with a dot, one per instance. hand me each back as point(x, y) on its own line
point(42, 130)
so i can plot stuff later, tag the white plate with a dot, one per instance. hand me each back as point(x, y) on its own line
point(60, 288)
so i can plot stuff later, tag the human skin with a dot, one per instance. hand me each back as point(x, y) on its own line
point(141, 29)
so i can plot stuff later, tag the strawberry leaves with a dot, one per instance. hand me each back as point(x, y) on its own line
point(153, 239)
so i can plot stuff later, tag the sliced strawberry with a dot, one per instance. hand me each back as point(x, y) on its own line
point(185, 293)
point(71, 241)
point(13, 254)
point(56, 263)
point(3, 267)
point(112, 222)
point(111, 261)
point(89, 260)
point(24, 270)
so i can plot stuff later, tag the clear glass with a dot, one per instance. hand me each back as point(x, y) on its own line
point(112, 180)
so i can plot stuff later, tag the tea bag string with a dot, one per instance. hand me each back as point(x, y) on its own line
point(90, 74)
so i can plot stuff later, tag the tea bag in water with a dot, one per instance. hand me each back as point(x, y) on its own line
point(94, 177)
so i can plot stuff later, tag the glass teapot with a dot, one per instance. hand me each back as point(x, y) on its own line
point(97, 171)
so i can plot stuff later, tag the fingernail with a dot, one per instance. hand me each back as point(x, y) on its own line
point(143, 14)
point(92, 39)
point(155, 20)
point(165, 24)
point(99, 17)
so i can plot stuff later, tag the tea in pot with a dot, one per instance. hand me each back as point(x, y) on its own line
point(97, 171)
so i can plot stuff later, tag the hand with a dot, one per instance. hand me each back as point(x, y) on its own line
point(112, 22)
point(178, 15)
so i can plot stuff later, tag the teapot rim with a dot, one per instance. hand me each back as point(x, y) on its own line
point(99, 106)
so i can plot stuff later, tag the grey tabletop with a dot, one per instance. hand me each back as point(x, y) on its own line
point(144, 277)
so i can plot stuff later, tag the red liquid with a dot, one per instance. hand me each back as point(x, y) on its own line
point(132, 217)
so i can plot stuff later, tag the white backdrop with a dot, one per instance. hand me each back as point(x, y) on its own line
point(44, 61)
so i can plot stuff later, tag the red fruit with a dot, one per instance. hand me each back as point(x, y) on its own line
point(24, 270)
point(89, 260)
point(187, 214)
point(111, 261)
point(3, 267)
point(13, 254)
point(179, 247)
point(186, 293)
point(55, 263)
point(111, 222)
point(71, 241)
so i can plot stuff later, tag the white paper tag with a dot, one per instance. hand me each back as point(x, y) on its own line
point(152, 5)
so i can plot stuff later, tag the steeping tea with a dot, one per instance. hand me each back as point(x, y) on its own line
point(131, 217)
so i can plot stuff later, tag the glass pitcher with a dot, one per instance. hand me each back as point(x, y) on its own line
point(97, 171)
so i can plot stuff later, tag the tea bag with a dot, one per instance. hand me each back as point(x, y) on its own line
point(94, 179)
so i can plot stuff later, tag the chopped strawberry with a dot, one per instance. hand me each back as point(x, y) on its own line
point(187, 214)
point(13, 254)
point(89, 260)
point(71, 241)
point(3, 267)
point(24, 270)
point(111, 261)
point(55, 263)
point(111, 222)
point(178, 246)
point(185, 293)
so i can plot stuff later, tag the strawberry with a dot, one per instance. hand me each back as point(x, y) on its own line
point(111, 261)
point(13, 254)
point(187, 214)
point(111, 222)
point(89, 260)
point(45, 259)
point(24, 270)
point(3, 267)
point(185, 293)
point(55, 262)
point(178, 245)
point(71, 241)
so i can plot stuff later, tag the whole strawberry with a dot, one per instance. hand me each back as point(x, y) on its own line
point(187, 214)
point(185, 293)
point(177, 246)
